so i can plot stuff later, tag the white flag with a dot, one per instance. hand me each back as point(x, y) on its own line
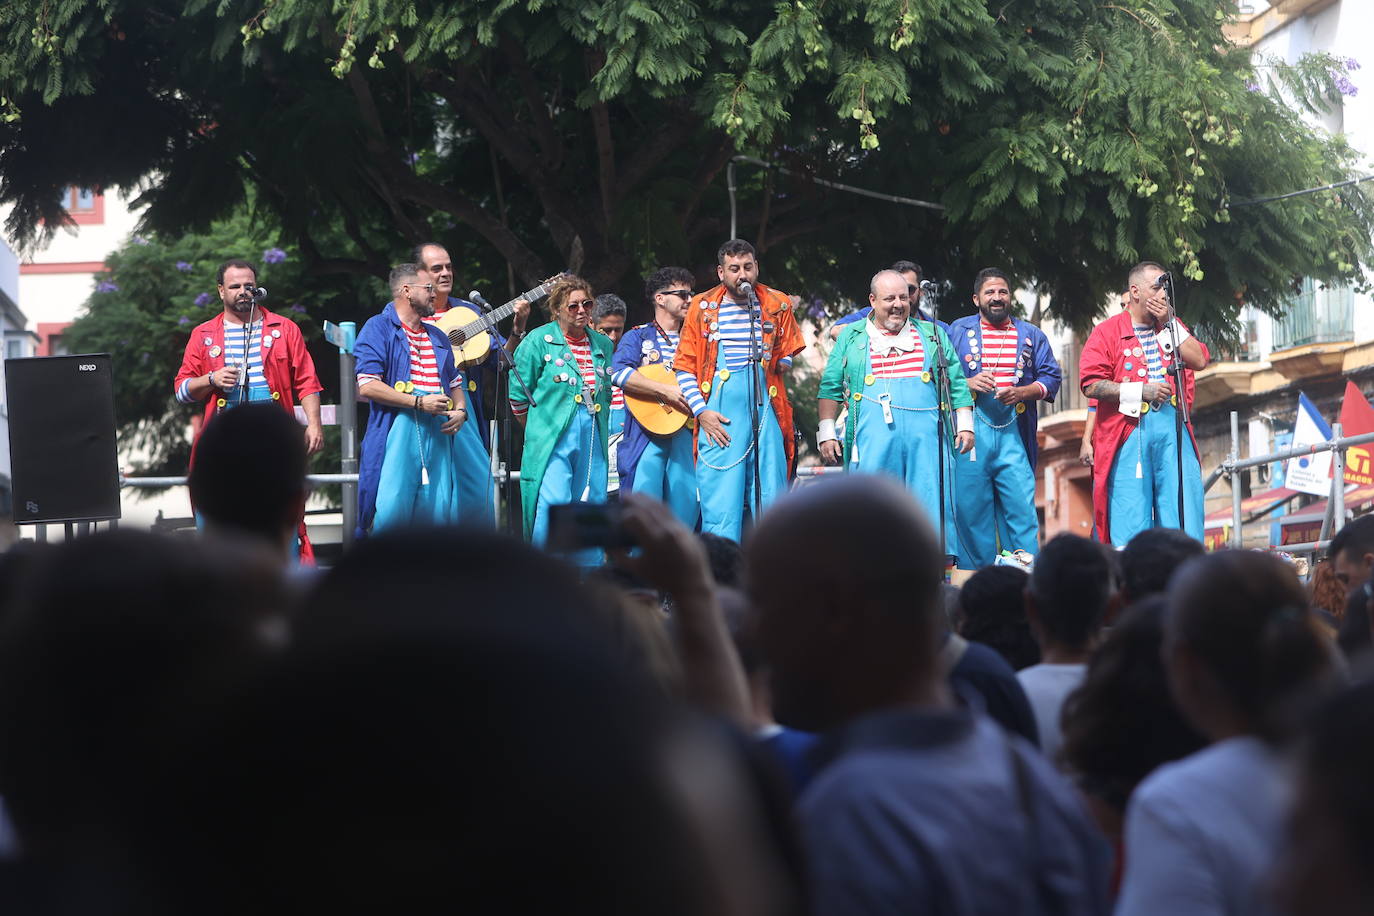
point(1309, 473)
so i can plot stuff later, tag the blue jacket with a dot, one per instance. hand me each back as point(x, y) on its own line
point(630, 353)
point(1032, 349)
point(382, 349)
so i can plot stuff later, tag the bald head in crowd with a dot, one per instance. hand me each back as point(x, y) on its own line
point(862, 630)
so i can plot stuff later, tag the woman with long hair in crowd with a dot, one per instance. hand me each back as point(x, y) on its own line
point(1243, 651)
point(1121, 723)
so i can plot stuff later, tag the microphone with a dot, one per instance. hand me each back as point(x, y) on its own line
point(476, 298)
point(747, 288)
point(260, 294)
point(1161, 280)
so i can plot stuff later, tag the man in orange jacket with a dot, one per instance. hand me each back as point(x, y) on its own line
point(713, 363)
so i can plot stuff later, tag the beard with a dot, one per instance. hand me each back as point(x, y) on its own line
point(242, 305)
point(894, 322)
point(996, 313)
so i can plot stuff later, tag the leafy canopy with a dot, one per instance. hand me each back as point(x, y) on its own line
point(1065, 139)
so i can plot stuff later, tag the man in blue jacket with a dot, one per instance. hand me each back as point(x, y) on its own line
point(405, 368)
point(661, 466)
point(1009, 366)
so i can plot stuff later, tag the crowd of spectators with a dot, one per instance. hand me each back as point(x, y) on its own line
point(812, 722)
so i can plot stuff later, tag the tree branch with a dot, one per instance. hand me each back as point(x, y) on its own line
point(550, 144)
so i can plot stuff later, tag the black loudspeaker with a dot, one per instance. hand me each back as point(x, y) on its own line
point(62, 438)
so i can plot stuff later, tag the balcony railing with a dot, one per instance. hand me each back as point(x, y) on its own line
point(1317, 314)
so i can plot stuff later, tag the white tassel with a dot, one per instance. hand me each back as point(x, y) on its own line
point(424, 475)
point(1139, 472)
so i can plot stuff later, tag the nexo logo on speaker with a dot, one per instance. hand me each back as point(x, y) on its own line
point(86, 367)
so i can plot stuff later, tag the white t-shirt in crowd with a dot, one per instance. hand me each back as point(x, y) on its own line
point(1202, 833)
point(1047, 686)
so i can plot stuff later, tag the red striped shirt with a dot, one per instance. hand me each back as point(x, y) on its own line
point(424, 368)
point(894, 363)
point(999, 353)
point(581, 349)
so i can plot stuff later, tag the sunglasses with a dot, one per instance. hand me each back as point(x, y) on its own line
point(580, 305)
point(680, 293)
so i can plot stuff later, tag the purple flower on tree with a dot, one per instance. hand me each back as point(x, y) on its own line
point(183, 321)
point(1345, 87)
point(184, 266)
point(203, 299)
point(1252, 86)
point(140, 240)
point(1351, 64)
point(107, 286)
point(298, 308)
point(273, 256)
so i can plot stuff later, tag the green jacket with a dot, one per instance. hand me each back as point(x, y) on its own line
point(847, 367)
point(537, 361)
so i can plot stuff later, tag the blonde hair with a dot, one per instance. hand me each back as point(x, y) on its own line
point(564, 287)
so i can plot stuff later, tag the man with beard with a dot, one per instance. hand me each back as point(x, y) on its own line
point(405, 368)
point(1009, 365)
point(247, 353)
point(712, 365)
point(660, 466)
point(884, 369)
point(475, 487)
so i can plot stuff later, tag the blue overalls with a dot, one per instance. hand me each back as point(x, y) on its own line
point(903, 441)
point(577, 460)
point(663, 467)
point(996, 486)
point(725, 476)
point(1144, 479)
point(417, 485)
point(476, 489)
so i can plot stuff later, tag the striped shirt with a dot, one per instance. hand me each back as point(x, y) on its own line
point(889, 361)
point(999, 352)
point(424, 364)
point(233, 350)
point(1150, 345)
point(731, 323)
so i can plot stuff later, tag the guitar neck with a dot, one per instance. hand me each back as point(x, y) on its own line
point(472, 328)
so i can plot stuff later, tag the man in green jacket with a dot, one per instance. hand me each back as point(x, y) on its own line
point(885, 369)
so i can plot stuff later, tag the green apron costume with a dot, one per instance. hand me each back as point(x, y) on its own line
point(548, 366)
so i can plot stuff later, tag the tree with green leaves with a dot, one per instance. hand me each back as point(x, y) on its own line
point(1059, 139)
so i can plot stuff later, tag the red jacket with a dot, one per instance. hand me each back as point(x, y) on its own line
point(1104, 358)
point(696, 353)
point(286, 365)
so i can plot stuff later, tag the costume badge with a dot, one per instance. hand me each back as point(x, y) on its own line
point(215, 352)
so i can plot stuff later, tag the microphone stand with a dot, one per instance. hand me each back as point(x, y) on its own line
point(756, 396)
point(503, 406)
point(247, 343)
point(1181, 415)
point(945, 402)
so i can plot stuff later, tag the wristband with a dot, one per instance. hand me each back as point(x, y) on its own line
point(963, 420)
point(417, 402)
point(826, 432)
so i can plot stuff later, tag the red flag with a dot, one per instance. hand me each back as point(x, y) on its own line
point(1357, 418)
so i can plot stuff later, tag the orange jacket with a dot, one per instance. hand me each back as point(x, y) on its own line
point(696, 352)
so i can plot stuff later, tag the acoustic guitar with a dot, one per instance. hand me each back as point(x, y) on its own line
point(656, 417)
point(467, 329)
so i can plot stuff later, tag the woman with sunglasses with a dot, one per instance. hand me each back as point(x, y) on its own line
point(568, 374)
